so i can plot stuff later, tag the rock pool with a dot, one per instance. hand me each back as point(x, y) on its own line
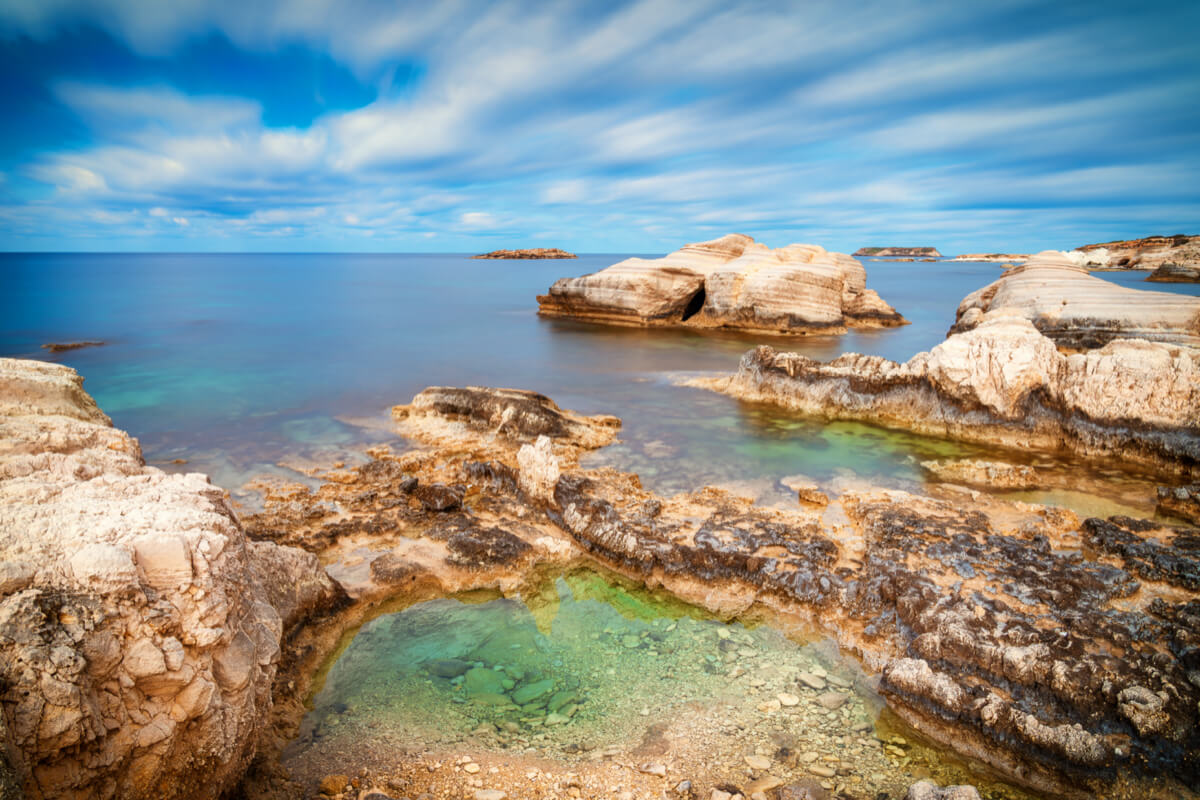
point(588, 667)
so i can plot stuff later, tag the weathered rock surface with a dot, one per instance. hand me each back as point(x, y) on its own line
point(1078, 310)
point(731, 282)
point(993, 257)
point(988, 474)
point(1171, 272)
point(1061, 653)
point(139, 631)
point(1148, 253)
point(1002, 382)
point(1180, 501)
point(531, 253)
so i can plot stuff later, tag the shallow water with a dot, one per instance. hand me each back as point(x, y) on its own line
point(238, 363)
point(586, 666)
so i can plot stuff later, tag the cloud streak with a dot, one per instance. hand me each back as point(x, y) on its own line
point(621, 127)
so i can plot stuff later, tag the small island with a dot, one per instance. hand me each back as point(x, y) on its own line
point(899, 252)
point(62, 347)
point(536, 252)
point(992, 257)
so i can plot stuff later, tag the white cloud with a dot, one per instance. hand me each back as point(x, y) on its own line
point(180, 221)
point(157, 211)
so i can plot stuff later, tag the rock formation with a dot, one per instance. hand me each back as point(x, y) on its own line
point(1149, 253)
point(1170, 272)
point(1078, 310)
point(731, 282)
point(139, 630)
point(896, 252)
point(532, 253)
point(1002, 382)
point(994, 629)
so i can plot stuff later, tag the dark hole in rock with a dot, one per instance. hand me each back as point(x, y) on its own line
point(694, 305)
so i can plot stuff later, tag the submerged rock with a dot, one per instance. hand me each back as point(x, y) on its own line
point(1080, 311)
point(989, 474)
point(139, 630)
point(1180, 501)
point(1001, 382)
point(928, 790)
point(731, 282)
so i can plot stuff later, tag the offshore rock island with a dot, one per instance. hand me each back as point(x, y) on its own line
point(534, 253)
point(733, 283)
point(898, 252)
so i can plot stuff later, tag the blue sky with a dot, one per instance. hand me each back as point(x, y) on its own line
point(458, 125)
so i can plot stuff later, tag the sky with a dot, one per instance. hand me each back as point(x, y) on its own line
point(611, 127)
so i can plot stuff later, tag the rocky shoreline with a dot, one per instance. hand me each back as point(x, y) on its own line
point(988, 630)
point(732, 283)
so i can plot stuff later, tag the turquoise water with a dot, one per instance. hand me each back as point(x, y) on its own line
point(236, 363)
point(586, 667)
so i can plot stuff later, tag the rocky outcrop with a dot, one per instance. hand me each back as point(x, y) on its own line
point(988, 474)
point(139, 631)
point(1170, 272)
point(1149, 253)
point(897, 252)
point(1001, 382)
point(731, 282)
point(532, 253)
point(1180, 501)
point(1078, 310)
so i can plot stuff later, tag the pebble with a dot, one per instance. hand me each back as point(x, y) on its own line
point(832, 700)
point(769, 706)
point(811, 680)
point(489, 794)
point(822, 771)
point(810, 756)
point(470, 768)
point(788, 700)
point(758, 762)
point(655, 769)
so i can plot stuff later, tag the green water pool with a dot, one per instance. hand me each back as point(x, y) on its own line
point(588, 666)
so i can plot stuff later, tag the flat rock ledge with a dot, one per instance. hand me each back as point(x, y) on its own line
point(139, 629)
point(1001, 382)
point(732, 282)
point(1080, 311)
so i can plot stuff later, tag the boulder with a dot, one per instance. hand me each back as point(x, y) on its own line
point(1078, 310)
point(138, 640)
point(731, 282)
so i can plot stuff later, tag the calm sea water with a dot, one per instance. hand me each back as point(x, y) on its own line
point(238, 362)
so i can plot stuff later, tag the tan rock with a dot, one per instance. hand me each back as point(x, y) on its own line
point(146, 573)
point(1079, 310)
point(731, 282)
point(539, 469)
point(989, 474)
point(1002, 382)
point(1151, 252)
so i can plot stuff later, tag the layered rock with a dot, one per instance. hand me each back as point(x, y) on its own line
point(1148, 253)
point(1078, 310)
point(139, 631)
point(1002, 382)
point(731, 282)
point(992, 257)
point(1171, 272)
point(989, 474)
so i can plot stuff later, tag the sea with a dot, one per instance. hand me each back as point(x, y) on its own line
point(252, 366)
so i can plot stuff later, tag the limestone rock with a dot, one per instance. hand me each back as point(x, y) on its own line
point(1148, 253)
point(1180, 501)
point(1170, 272)
point(731, 282)
point(988, 474)
point(128, 592)
point(1001, 382)
point(539, 469)
point(1079, 310)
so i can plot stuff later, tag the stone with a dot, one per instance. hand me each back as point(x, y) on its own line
point(928, 790)
point(653, 768)
point(15, 576)
point(803, 789)
point(1078, 310)
point(731, 282)
point(719, 794)
point(539, 469)
point(104, 568)
point(143, 659)
point(822, 771)
point(448, 667)
point(532, 691)
point(234, 664)
point(439, 497)
point(333, 785)
point(481, 680)
point(810, 680)
point(758, 762)
point(489, 794)
point(987, 474)
point(163, 560)
point(788, 700)
point(470, 768)
point(832, 700)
